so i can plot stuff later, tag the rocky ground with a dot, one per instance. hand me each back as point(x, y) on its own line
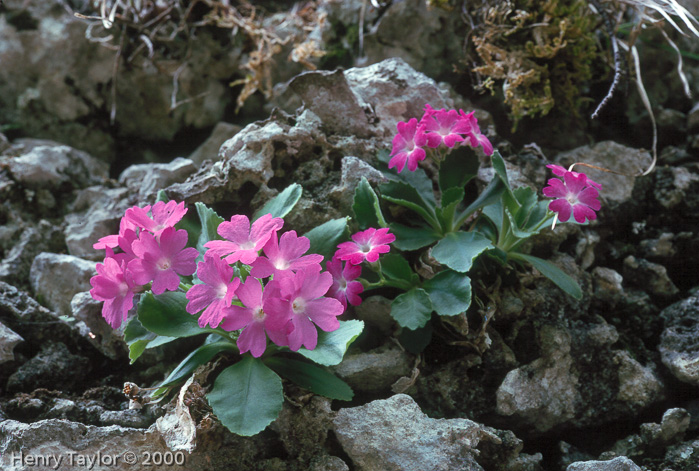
point(610, 382)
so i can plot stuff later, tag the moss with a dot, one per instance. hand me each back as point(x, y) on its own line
point(541, 54)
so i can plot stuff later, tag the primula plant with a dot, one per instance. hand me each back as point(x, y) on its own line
point(453, 229)
point(254, 293)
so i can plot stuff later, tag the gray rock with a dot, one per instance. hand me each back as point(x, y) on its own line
point(16, 266)
point(35, 323)
point(146, 180)
point(52, 165)
point(353, 169)
point(617, 189)
point(673, 185)
point(395, 435)
point(132, 418)
point(56, 278)
point(684, 456)
point(376, 311)
point(649, 276)
point(328, 95)
point(620, 463)
point(54, 367)
point(679, 342)
point(543, 393)
point(638, 384)
point(431, 48)
point(376, 370)
point(97, 212)
point(8, 341)
point(208, 150)
point(607, 285)
point(94, 328)
point(662, 247)
point(4, 143)
point(61, 438)
point(395, 92)
point(327, 463)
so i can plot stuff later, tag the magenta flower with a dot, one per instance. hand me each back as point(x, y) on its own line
point(344, 288)
point(162, 261)
point(215, 295)
point(285, 254)
point(561, 171)
point(475, 138)
point(444, 127)
point(367, 245)
point(407, 146)
point(574, 196)
point(112, 241)
point(253, 319)
point(114, 285)
point(302, 304)
point(164, 215)
point(243, 242)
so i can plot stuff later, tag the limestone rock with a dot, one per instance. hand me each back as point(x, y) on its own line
point(56, 278)
point(679, 342)
point(8, 340)
point(621, 463)
point(395, 435)
point(147, 179)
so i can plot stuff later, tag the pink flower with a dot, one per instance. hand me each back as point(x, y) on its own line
point(574, 196)
point(112, 241)
point(215, 295)
point(164, 215)
point(444, 127)
point(163, 261)
point(115, 286)
point(242, 241)
point(253, 319)
point(367, 245)
point(475, 137)
point(302, 304)
point(343, 288)
point(285, 254)
point(561, 171)
point(407, 146)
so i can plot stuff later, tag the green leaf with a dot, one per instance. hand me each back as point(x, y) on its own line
point(495, 213)
point(457, 250)
point(139, 339)
point(416, 340)
point(501, 172)
point(247, 396)
point(450, 200)
point(198, 357)
point(165, 314)
point(492, 194)
point(405, 195)
point(412, 238)
point(332, 346)
point(450, 292)
point(209, 224)
point(367, 211)
point(417, 180)
point(282, 204)
point(458, 167)
point(396, 267)
point(553, 273)
point(311, 377)
point(413, 309)
point(324, 238)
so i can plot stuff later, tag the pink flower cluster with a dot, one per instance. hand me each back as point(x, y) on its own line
point(284, 296)
point(151, 251)
point(576, 194)
point(435, 128)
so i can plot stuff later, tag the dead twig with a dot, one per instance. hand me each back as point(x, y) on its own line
point(619, 59)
